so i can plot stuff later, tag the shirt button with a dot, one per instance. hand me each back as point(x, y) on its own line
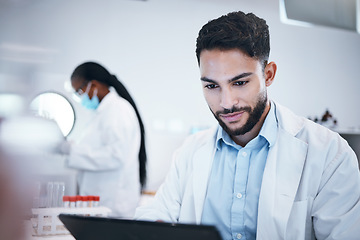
point(244, 154)
point(239, 195)
point(238, 236)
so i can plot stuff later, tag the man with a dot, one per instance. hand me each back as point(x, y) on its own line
point(264, 172)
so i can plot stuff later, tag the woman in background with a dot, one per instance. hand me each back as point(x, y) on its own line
point(110, 155)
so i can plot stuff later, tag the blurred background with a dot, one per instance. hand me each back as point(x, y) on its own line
point(150, 46)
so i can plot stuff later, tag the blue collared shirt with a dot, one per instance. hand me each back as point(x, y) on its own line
point(232, 198)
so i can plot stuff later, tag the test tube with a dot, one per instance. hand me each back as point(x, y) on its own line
point(61, 194)
point(55, 197)
point(66, 201)
point(79, 201)
point(72, 200)
point(90, 201)
point(96, 202)
point(50, 192)
point(36, 194)
point(85, 201)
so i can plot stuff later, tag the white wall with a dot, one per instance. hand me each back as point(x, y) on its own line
point(150, 46)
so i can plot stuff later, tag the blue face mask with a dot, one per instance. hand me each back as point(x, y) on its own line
point(88, 103)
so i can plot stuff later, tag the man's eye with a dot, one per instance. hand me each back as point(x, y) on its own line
point(210, 86)
point(240, 83)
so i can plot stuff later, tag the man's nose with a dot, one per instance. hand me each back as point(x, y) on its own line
point(228, 99)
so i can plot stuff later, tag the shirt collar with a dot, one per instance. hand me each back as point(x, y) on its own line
point(268, 131)
point(223, 137)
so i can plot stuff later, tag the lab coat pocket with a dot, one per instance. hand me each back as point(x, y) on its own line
point(300, 221)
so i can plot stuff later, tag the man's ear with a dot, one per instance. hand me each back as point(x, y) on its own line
point(269, 73)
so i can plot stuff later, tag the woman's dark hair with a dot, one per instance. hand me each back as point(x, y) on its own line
point(94, 71)
point(236, 30)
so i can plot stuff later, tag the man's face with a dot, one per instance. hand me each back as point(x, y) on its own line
point(234, 88)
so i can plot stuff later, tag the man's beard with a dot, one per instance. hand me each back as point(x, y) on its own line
point(254, 116)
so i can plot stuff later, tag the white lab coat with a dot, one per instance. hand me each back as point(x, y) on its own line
point(106, 156)
point(310, 187)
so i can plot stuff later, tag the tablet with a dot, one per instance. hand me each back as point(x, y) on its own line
point(103, 228)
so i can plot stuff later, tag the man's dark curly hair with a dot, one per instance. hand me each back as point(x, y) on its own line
point(236, 30)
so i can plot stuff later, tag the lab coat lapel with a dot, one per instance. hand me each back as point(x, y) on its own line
point(202, 163)
point(281, 178)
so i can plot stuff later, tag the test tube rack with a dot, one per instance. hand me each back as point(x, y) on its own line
point(45, 221)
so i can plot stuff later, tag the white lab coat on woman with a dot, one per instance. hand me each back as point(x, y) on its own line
point(310, 187)
point(106, 156)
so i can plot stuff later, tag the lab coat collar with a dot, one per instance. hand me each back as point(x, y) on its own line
point(203, 159)
point(288, 121)
point(282, 176)
point(270, 127)
point(107, 100)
